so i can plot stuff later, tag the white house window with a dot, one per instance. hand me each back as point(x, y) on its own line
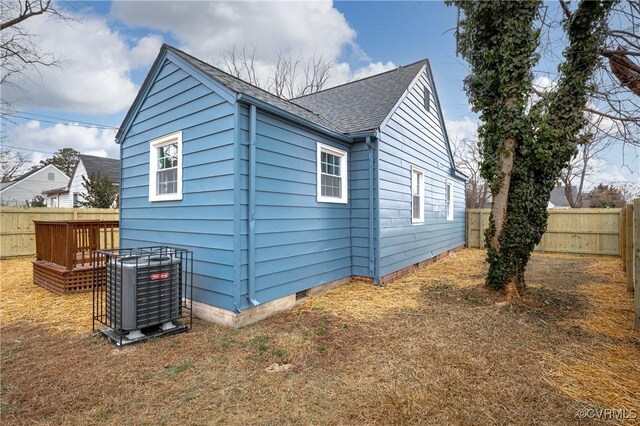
point(332, 174)
point(76, 200)
point(417, 195)
point(165, 168)
point(449, 200)
point(51, 176)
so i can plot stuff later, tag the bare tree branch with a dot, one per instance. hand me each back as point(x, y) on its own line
point(12, 164)
point(28, 9)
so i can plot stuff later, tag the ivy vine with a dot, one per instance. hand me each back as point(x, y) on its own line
point(500, 40)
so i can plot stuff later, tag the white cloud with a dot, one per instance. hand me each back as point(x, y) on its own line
point(461, 129)
point(145, 51)
point(94, 72)
point(45, 140)
point(209, 29)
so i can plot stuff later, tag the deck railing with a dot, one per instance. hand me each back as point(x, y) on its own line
point(70, 243)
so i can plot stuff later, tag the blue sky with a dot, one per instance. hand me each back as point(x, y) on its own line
point(106, 54)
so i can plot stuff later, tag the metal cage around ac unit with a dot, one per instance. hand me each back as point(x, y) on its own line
point(146, 292)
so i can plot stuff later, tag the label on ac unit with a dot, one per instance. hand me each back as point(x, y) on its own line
point(159, 276)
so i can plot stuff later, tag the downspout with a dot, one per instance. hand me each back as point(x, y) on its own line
point(376, 177)
point(251, 237)
point(237, 224)
point(371, 212)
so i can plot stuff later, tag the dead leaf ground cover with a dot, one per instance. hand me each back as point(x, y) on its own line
point(430, 348)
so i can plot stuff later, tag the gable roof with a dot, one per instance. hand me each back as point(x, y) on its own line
point(349, 108)
point(234, 84)
point(109, 167)
point(362, 104)
point(241, 86)
point(24, 176)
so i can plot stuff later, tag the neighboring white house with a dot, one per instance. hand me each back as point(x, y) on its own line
point(87, 165)
point(24, 188)
point(57, 197)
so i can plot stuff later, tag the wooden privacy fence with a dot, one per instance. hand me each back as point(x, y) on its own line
point(17, 230)
point(583, 231)
point(630, 252)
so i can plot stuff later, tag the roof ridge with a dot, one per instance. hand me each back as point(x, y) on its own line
point(97, 156)
point(362, 79)
point(168, 46)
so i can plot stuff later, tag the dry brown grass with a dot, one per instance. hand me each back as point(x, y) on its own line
point(22, 301)
point(430, 348)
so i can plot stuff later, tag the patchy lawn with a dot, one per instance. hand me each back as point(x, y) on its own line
point(429, 348)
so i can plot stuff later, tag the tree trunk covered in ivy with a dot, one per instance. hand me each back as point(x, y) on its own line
point(524, 147)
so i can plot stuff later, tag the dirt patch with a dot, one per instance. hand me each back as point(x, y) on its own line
point(430, 348)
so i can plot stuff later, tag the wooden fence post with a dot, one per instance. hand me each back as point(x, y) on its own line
point(481, 231)
point(636, 268)
point(623, 237)
point(468, 228)
point(629, 251)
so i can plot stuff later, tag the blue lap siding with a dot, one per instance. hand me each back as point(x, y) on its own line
point(296, 241)
point(413, 136)
point(300, 242)
point(203, 220)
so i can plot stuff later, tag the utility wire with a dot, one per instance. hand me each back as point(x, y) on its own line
point(91, 126)
point(59, 118)
point(27, 149)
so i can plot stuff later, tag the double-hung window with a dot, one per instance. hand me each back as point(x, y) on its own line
point(165, 168)
point(417, 195)
point(449, 200)
point(331, 174)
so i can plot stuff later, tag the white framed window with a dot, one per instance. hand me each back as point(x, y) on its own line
point(51, 176)
point(165, 168)
point(448, 194)
point(331, 174)
point(417, 195)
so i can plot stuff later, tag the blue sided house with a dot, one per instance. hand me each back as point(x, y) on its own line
point(279, 199)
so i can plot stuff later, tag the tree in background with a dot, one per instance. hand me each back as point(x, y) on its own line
point(290, 77)
point(467, 156)
point(99, 192)
point(37, 201)
point(629, 191)
point(12, 164)
point(605, 196)
point(524, 145)
point(18, 48)
point(65, 159)
point(592, 143)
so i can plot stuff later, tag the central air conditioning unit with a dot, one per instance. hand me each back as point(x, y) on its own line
point(143, 291)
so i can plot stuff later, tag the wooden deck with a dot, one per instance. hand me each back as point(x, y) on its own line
point(64, 253)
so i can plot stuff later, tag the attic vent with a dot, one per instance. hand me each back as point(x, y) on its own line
point(51, 176)
point(427, 99)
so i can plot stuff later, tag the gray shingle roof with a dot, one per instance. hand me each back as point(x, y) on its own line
point(241, 86)
point(353, 107)
point(558, 198)
point(362, 104)
point(109, 167)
